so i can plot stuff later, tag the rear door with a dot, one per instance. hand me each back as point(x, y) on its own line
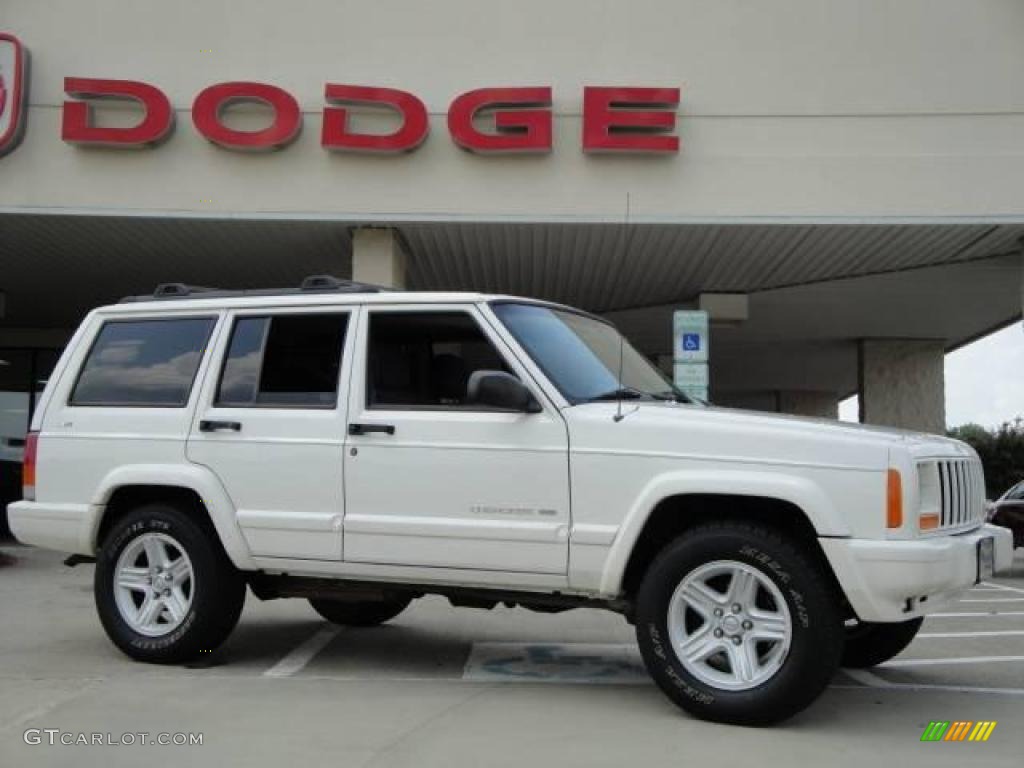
point(271, 425)
point(433, 480)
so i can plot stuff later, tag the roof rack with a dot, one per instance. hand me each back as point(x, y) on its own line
point(311, 284)
point(175, 290)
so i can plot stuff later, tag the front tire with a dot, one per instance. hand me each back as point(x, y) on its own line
point(359, 613)
point(736, 624)
point(165, 590)
point(869, 644)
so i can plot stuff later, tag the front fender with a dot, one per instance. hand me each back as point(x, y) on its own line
point(193, 477)
point(799, 491)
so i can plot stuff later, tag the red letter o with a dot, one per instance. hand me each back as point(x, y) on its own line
point(210, 102)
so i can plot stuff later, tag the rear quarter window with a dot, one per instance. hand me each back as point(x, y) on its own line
point(143, 363)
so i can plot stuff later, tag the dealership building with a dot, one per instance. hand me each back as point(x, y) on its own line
point(839, 184)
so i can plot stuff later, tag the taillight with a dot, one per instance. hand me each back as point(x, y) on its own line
point(28, 467)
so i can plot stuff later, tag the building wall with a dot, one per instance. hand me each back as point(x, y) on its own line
point(806, 108)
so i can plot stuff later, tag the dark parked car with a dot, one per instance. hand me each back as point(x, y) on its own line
point(1008, 512)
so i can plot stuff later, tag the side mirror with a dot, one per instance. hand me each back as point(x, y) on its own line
point(500, 390)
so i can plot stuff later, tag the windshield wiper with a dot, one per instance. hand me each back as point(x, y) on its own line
point(673, 394)
point(622, 393)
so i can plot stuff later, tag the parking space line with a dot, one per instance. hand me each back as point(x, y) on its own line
point(990, 633)
point(959, 660)
point(867, 678)
point(933, 687)
point(304, 653)
point(994, 600)
point(973, 614)
point(1004, 587)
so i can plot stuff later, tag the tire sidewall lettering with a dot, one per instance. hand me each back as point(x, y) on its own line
point(697, 695)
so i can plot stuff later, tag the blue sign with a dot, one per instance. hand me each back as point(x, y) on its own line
point(690, 339)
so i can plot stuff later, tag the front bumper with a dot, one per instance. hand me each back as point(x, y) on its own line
point(889, 581)
point(64, 527)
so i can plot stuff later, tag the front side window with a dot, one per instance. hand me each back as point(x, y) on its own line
point(283, 361)
point(583, 355)
point(143, 363)
point(425, 359)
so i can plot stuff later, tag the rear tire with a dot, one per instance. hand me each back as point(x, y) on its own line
point(759, 664)
point(868, 644)
point(164, 588)
point(359, 613)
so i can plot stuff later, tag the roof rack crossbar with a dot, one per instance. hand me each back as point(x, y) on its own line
point(332, 283)
point(167, 290)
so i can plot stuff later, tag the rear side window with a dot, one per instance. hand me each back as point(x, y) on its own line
point(284, 361)
point(143, 363)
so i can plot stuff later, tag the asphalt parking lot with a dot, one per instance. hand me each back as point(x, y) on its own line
point(448, 687)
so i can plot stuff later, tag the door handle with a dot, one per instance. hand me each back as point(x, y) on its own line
point(365, 429)
point(216, 426)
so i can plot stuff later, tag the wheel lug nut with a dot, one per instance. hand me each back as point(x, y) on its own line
point(736, 607)
point(718, 633)
point(736, 640)
point(718, 612)
point(748, 625)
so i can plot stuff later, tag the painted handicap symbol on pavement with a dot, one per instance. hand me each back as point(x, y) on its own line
point(556, 662)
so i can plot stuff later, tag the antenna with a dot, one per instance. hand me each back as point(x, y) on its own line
point(618, 410)
point(627, 241)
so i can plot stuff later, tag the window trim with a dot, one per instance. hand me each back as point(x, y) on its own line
point(204, 351)
point(1016, 492)
point(271, 315)
point(431, 408)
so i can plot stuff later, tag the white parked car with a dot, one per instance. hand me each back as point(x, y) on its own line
point(362, 448)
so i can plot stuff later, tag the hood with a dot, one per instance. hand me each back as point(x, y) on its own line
point(712, 431)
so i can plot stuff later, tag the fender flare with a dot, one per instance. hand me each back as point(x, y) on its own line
point(802, 493)
point(195, 478)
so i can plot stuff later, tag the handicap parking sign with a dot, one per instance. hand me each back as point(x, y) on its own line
point(690, 336)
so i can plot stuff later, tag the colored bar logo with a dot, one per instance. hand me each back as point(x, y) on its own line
point(958, 730)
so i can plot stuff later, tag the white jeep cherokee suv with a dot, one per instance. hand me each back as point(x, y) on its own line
point(362, 448)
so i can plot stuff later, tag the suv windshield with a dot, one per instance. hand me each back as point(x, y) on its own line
point(581, 355)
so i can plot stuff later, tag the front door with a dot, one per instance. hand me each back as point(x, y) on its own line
point(271, 425)
point(434, 480)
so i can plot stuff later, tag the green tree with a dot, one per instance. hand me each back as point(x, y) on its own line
point(1001, 451)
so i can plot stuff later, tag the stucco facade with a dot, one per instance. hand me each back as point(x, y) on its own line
point(801, 108)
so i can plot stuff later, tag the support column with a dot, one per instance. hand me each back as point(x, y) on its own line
point(378, 257)
point(806, 402)
point(902, 384)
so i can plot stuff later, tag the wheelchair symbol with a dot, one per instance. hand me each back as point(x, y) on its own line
point(691, 342)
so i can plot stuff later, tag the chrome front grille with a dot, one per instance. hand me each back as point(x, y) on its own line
point(961, 493)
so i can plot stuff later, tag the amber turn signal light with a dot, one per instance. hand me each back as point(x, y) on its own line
point(894, 499)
